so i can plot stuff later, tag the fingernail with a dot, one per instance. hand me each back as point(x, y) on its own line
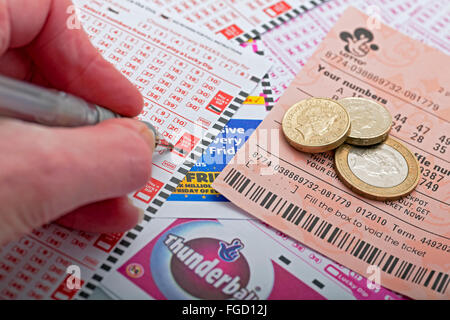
point(141, 212)
point(139, 126)
point(141, 215)
point(147, 134)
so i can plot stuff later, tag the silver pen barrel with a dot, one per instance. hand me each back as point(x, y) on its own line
point(48, 107)
point(53, 108)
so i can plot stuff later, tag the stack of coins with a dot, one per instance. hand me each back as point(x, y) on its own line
point(367, 160)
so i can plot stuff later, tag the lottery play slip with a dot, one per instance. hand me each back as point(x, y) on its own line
point(222, 259)
point(192, 86)
point(406, 241)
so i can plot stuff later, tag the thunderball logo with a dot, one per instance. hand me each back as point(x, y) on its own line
point(209, 268)
point(358, 43)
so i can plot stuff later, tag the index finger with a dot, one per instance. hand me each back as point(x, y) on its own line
point(69, 62)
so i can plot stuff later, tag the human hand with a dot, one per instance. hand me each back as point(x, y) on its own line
point(78, 177)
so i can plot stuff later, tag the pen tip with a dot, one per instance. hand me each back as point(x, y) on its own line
point(179, 150)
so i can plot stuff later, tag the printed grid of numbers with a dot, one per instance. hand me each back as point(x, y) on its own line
point(35, 266)
point(431, 24)
point(176, 92)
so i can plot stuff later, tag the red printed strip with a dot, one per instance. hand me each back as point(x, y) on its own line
point(219, 102)
point(277, 9)
point(149, 191)
point(106, 242)
point(63, 292)
point(185, 145)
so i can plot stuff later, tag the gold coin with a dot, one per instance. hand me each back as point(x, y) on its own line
point(316, 125)
point(370, 121)
point(387, 171)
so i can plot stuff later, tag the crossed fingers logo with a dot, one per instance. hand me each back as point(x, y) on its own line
point(230, 252)
point(358, 43)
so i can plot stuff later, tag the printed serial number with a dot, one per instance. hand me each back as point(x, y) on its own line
point(371, 216)
point(435, 244)
point(385, 83)
point(302, 180)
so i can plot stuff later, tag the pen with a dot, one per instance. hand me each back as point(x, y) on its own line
point(28, 102)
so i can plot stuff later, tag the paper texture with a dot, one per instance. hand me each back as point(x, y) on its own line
point(300, 194)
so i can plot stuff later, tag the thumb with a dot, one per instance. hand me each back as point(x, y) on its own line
point(46, 173)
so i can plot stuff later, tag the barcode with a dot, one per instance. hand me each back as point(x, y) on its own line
point(362, 250)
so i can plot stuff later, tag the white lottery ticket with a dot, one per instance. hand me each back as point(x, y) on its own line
point(51, 263)
point(192, 86)
point(430, 23)
point(235, 19)
point(222, 259)
point(194, 197)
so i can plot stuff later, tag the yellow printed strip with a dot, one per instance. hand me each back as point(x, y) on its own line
point(255, 100)
point(197, 183)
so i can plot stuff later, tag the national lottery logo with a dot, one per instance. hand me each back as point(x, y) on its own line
point(359, 42)
point(230, 252)
point(206, 267)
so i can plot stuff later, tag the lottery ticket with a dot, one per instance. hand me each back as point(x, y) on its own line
point(407, 240)
point(263, 95)
point(192, 85)
point(240, 20)
point(290, 45)
point(194, 197)
point(222, 259)
point(51, 263)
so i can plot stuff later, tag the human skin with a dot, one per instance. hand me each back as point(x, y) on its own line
point(76, 177)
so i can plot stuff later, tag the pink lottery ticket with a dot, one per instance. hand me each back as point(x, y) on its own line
point(290, 45)
point(406, 241)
